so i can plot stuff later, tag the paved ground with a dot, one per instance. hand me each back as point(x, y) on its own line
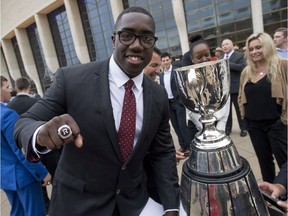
point(243, 145)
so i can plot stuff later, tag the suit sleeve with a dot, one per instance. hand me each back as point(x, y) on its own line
point(239, 64)
point(37, 170)
point(281, 178)
point(44, 110)
point(163, 162)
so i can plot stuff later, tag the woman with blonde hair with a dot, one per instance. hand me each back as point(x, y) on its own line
point(263, 102)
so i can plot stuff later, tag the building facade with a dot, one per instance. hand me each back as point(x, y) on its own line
point(39, 36)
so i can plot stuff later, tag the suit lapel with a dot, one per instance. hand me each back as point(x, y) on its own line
point(102, 93)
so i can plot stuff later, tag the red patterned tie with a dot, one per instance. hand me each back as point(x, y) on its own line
point(127, 126)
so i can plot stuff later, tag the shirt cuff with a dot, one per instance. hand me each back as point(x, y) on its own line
point(41, 151)
point(169, 210)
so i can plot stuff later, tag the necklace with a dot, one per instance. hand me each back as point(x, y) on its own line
point(259, 73)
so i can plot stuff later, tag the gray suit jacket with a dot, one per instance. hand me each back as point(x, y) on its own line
point(93, 179)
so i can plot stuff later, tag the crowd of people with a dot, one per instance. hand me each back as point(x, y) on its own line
point(97, 174)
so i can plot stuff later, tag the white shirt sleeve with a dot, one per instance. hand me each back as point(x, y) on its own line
point(37, 152)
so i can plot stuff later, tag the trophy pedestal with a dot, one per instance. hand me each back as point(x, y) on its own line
point(219, 182)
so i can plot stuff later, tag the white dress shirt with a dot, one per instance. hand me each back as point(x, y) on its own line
point(117, 81)
point(167, 82)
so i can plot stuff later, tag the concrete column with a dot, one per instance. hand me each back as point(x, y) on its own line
point(257, 16)
point(11, 59)
point(178, 10)
point(116, 8)
point(27, 57)
point(46, 40)
point(77, 31)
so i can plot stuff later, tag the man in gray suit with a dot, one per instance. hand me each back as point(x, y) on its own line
point(93, 177)
point(236, 64)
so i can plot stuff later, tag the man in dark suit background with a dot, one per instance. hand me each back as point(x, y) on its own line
point(236, 64)
point(21, 103)
point(92, 177)
point(177, 109)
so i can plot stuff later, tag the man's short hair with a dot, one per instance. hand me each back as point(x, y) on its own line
point(156, 50)
point(3, 79)
point(165, 54)
point(22, 83)
point(131, 10)
point(283, 30)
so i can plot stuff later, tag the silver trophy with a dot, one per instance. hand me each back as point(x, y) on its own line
point(215, 179)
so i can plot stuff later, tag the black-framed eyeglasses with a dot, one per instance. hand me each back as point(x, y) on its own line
point(127, 38)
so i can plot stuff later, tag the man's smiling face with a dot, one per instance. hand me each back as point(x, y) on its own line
point(133, 59)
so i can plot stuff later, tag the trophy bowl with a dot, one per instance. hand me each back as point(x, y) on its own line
point(215, 179)
point(204, 88)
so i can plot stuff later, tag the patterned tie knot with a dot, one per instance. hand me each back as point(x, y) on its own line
point(129, 84)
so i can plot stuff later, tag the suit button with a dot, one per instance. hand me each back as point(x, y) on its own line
point(123, 167)
point(118, 192)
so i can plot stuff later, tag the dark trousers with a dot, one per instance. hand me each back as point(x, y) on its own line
point(50, 161)
point(192, 129)
point(241, 122)
point(178, 120)
point(269, 138)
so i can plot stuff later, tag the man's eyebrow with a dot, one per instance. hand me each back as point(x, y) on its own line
point(133, 30)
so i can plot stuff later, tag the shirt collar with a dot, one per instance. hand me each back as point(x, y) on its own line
point(120, 78)
point(230, 53)
point(170, 68)
point(278, 49)
point(24, 94)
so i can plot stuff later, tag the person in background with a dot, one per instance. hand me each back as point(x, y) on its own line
point(218, 52)
point(200, 53)
point(236, 65)
point(177, 109)
point(21, 103)
point(153, 69)
point(20, 179)
point(99, 173)
point(280, 39)
point(263, 102)
point(278, 189)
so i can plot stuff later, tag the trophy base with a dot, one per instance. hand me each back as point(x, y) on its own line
point(235, 193)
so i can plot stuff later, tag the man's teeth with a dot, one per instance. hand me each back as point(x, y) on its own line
point(134, 58)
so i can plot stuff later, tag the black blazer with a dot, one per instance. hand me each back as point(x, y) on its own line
point(237, 64)
point(172, 83)
point(281, 178)
point(21, 103)
point(96, 170)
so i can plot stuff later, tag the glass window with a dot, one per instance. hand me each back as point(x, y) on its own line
point(45, 75)
point(241, 13)
point(271, 17)
point(225, 18)
point(208, 22)
point(240, 3)
point(227, 29)
point(243, 24)
point(19, 57)
point(61, 34)
point(224, 7)
point(208, 33)
point(97, 16)
point(165, 21)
